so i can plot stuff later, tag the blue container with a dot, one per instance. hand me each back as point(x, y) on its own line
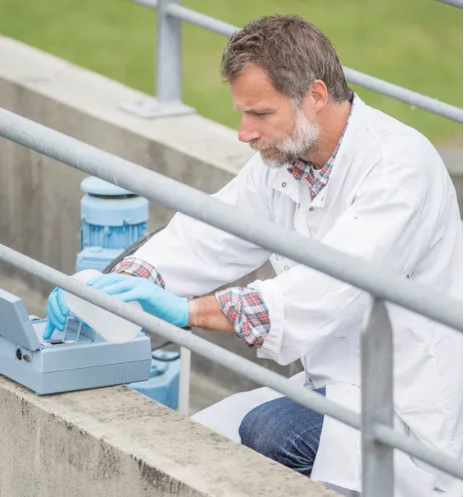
point(112, 219)
point(163, 384)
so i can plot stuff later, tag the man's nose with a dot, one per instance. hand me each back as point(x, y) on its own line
point(247, 132)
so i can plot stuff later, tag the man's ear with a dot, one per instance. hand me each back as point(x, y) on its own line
point(316, 97)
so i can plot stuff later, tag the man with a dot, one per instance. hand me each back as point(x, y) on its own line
point(331, 168)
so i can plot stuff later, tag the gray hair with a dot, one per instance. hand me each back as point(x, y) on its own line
point(292, 51)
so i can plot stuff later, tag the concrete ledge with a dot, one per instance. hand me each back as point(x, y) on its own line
point(114, 442)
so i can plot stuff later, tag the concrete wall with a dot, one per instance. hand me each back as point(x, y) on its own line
point(114, 442)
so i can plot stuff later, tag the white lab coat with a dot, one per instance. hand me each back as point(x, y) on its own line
point(390, 201)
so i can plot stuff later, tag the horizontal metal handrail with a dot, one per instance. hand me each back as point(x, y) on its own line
point(454, 3)
point(366, 81)
point(179, 197)
point(229, 360)
point(397, 440)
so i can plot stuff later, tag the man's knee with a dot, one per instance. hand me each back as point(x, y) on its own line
point(256, 430)
point(283, 431)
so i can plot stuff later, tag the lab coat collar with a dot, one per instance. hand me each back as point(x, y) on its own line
point(285, 183)
point(350, 140)
point(349, 146)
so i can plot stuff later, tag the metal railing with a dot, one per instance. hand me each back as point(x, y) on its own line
point(454, 3)
point(379, 439)
point(169, 78)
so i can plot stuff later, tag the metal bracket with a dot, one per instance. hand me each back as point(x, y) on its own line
point(149, 108)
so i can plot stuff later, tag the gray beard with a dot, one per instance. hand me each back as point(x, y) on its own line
point(295, 146)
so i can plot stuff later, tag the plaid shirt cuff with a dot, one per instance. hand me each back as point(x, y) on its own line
point(247, 312)
point(139, 268)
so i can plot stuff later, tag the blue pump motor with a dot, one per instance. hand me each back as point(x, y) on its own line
point(112, 220)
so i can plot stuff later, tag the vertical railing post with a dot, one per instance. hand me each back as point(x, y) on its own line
point(169, 55)
point(168, 101)
point(184, 380)
point(377, 401)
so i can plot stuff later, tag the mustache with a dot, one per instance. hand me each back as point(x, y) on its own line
point(257, 145)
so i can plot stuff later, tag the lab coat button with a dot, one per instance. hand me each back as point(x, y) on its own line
point(311, 209)
point(286, 268)
point(284, 184)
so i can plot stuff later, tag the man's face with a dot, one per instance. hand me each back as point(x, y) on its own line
point(270, 123)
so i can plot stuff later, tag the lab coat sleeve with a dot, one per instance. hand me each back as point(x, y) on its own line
point(195, 258)
point(384, 225)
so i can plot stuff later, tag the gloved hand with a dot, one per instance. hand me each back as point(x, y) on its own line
point(153, 299)
point(57, 313)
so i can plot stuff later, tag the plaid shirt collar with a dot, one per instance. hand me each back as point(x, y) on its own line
point(315, 179)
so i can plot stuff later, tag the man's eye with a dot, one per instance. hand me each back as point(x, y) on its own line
point(258, 114)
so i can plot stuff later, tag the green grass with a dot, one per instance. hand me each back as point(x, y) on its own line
point(413, 43)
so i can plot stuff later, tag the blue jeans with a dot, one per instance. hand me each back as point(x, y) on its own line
point(284, 431)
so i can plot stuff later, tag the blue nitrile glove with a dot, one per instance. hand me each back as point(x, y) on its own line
point(153, 299)
point(57, 313)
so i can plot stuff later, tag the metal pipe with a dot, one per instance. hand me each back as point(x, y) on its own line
point(454, 3)
point(244, 367)
point(397, 440)
point(196, 204)
point(376, 401)
point(366, 81)
point(151, 4)
point(169, 55)
point(184, 381)
point(403, 95)
point(202, 20)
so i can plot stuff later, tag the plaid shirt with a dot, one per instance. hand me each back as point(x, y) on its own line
point(245, 307)
point(140, 269)
point(315, 179)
